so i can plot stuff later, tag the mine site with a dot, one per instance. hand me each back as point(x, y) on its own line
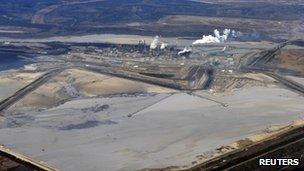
point(177, 85)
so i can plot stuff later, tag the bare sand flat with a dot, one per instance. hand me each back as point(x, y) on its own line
point(95, 133)
point(11, 82)
point(75, 83)
point(92, 84)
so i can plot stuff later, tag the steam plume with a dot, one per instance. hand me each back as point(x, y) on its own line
point(217, 38)
point(184, 51)
point(154, 43)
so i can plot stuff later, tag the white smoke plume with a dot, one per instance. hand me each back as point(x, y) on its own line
point(224, 48)
point(217, 38)
point(157, 43)
point(154, 43)
point(227, 32)
point(185, 50)
point(217, 34)
point(163, 46)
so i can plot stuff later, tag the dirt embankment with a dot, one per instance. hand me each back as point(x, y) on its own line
point(292, 59)
point(227, 83)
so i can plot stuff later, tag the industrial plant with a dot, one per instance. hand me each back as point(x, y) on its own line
point(93, 85)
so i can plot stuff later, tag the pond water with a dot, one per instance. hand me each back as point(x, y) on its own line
point(11, 61)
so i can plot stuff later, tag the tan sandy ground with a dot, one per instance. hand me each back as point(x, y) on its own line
point(292, 59)
point(11, 82)
point(93, 84)
point(45, 95)
point(86, 84)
